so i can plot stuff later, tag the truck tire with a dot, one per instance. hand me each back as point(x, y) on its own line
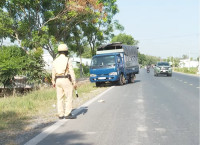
point(98, 84)
point(131, 78)
point(121, 80)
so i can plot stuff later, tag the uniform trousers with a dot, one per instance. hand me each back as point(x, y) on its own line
point(64, 89)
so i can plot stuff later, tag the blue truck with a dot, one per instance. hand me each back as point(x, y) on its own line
point(116, 63)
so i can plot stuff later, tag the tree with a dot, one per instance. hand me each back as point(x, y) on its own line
point(87, 52)
point(147, 59)
point(125, 39)
point(141, 58)
point(34, 69)
point(12, 60)
point(77, 44)
point(175, 61)
point(99, 27)
point(35, 24)
point(185, 56)
point(5, 27)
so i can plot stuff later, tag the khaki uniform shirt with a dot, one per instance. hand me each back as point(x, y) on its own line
point(59, 68)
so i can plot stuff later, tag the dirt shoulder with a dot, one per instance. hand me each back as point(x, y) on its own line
point(39, 122)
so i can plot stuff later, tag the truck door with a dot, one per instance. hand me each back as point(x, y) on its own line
point(119, 63)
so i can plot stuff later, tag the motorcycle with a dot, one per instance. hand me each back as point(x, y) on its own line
point(148, 70)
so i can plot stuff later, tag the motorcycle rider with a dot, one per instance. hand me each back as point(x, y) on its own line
point(148, 68)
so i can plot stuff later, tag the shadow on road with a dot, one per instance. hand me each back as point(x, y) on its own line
point(137, 81)
point(108, 84)
point(163, 75)
point(79, 111)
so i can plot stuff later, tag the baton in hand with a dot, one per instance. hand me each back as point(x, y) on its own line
point(76, 93)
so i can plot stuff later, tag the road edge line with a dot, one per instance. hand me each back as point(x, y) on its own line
point(76, 111)
point(35, 140)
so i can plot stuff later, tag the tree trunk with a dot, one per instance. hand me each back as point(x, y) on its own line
point(4, 90)
point(14, 91)
point(81, 68)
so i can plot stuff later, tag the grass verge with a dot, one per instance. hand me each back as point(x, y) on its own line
point(16, 112)
point(22, 116)
point(192, 70)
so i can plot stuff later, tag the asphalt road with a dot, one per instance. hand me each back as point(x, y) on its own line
point(152, 111)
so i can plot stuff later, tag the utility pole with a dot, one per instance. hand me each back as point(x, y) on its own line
point(199, 66)
point(189, 61)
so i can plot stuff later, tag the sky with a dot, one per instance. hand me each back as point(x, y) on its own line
point(163, 27)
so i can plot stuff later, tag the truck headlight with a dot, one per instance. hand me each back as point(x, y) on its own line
point(93, 75)
point(113, 73)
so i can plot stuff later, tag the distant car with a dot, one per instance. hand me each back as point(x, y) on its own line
point(163, 68)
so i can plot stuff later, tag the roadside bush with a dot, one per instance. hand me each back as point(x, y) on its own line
point(47, 78)
point(192, 70)
point(86, 71)
point(12, 60)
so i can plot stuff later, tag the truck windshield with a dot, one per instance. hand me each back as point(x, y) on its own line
point(103, 61)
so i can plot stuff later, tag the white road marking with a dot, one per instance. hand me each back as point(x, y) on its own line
point(101, 101)
point(191, 84)
point(140, 101)
point(198, 87)
point(90, 133)
point(185, 82)
point(140, 115)
point(160, 130)
point(59, 123)
point(142, 128)
point(45, 133)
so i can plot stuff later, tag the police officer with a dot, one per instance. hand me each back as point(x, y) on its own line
point(62, 68)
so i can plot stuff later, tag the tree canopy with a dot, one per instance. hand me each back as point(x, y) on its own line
point(14, 61)
point(125, 39)
point(40, 24)
point(45, 24)
point(11, 63)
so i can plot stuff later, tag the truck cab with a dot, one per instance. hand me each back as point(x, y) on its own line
point(106, 67)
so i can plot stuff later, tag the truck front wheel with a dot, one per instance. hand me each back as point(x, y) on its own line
point(98, 84)
point(121, 80)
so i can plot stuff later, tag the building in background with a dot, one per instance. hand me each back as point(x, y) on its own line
point(75, 61)
point(188, 63)
point(48, 59)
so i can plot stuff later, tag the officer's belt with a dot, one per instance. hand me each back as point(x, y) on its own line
point(66, 76)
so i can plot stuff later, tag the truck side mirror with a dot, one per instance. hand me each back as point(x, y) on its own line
point(118, 60)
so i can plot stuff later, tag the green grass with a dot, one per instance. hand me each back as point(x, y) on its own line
point(192, 70)
point(15, 112)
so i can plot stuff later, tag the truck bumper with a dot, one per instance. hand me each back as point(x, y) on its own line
point(104, 79)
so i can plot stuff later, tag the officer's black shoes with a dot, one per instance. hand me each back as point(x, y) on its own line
point(70, 116)
point(61, 117)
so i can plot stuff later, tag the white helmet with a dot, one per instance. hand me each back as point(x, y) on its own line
point(62, 47)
